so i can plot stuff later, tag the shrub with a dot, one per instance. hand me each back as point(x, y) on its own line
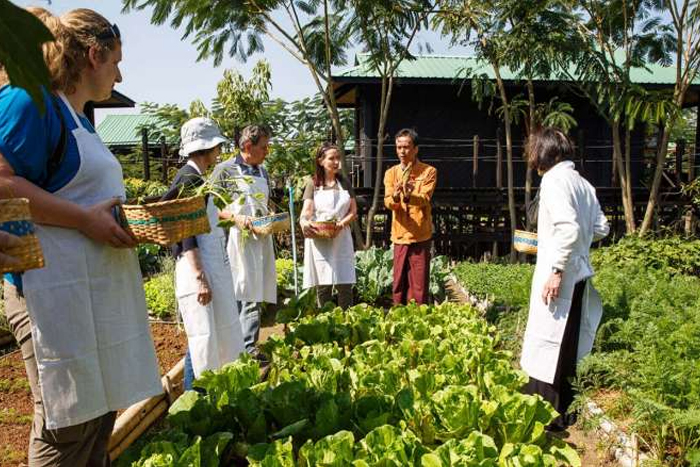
point(160, 291)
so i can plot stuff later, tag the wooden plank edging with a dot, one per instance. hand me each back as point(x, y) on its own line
point(135, 420)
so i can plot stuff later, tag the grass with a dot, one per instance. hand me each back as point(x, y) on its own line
point(9, 456)
point(12, 417)
point(18, 385)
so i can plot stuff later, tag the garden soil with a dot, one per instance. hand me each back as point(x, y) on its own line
point(16, 399)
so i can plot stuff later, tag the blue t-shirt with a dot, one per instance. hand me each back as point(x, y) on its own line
point(28, 139)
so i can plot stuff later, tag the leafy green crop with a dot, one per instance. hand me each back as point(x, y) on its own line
point(421, 385)
point(374, 269)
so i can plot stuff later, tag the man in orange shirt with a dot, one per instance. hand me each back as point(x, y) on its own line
point(408, 189)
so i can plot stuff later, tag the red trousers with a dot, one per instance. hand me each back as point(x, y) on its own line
point(411, 272)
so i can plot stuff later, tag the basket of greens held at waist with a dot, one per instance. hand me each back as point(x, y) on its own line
point(324, 228)
point(166, 222)
point(525, 242)
point(273, 223)
point(16, 219)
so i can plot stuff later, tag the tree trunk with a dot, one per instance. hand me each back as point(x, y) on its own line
point(385, 101)
point(509, 158)
point(661, 150)
point(628, 199)
point(531, 129)
point(620, 170)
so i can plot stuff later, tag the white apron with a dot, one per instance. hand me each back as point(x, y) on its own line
point(329, 261)
point(91, 337)
point(214, 332)
point(252, 259)
point(546, 323)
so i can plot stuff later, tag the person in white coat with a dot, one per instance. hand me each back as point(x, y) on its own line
point(81, 321)
point(203, 283)
point(565, 309)
point(329, 262)
point(252, 256)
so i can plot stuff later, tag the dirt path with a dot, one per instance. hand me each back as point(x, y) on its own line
point(16, 398)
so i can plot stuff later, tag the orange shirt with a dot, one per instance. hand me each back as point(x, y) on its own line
point(411, 221)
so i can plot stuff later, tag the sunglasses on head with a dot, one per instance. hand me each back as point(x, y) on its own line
point(111, 33)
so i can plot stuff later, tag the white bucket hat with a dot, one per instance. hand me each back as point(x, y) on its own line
point(199, 134)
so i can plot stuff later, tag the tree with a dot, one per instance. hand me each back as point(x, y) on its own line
point(537, 34)
point(386, 29)
point(615, 37)
point(237, 103)
point(685, 15)
point(21, 57)
point(482, 24)
point(317, 35)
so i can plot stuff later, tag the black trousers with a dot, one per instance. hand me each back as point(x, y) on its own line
point(560, 393)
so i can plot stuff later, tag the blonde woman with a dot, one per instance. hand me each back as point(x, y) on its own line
point(85, 341)
point(329, 262)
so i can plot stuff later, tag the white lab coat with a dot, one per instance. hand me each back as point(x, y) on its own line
point(569, 220)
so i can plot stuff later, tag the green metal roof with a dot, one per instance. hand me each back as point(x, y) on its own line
point(460, 67)
point(124, 130)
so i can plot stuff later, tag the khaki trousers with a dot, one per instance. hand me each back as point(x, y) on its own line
point(78, 445)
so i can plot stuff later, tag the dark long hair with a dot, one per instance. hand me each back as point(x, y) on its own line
point(320, 174)
point(547, 147)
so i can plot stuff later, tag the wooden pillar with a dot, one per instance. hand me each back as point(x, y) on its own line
point(680, 151)
point(144, 149)
point(581, 147)
point(164, 159)
point(691, 157)
point(499, 159)
point(475, 160)
point(691, 164)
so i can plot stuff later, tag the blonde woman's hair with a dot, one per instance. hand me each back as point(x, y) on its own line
point(75, 32)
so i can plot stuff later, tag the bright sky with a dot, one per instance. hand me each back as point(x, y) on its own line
point(159, 66)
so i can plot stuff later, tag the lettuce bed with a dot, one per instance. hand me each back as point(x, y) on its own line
point(421, 386)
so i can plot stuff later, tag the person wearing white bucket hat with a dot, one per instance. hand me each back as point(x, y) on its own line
point(203, 282)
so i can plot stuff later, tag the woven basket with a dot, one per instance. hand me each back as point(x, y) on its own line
point(525, 242)
point(16, 219)
point(167, 222)
point(271, 224)
point(324, 229)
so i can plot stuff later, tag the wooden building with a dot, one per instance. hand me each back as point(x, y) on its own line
point(464, 140)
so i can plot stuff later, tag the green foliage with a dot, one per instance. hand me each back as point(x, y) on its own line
point(374, 276)
point(150, 257)
point(21, 37)
point(374, 272)
point(160, 291)
point(421, 386)
point(648, 344)
point(137, 190)
point(673, 255)
point(239, 102)
point(285, 274)
point(503, 284)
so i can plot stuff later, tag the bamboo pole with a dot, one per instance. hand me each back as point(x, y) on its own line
point(140, 428)
point(134, 415)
